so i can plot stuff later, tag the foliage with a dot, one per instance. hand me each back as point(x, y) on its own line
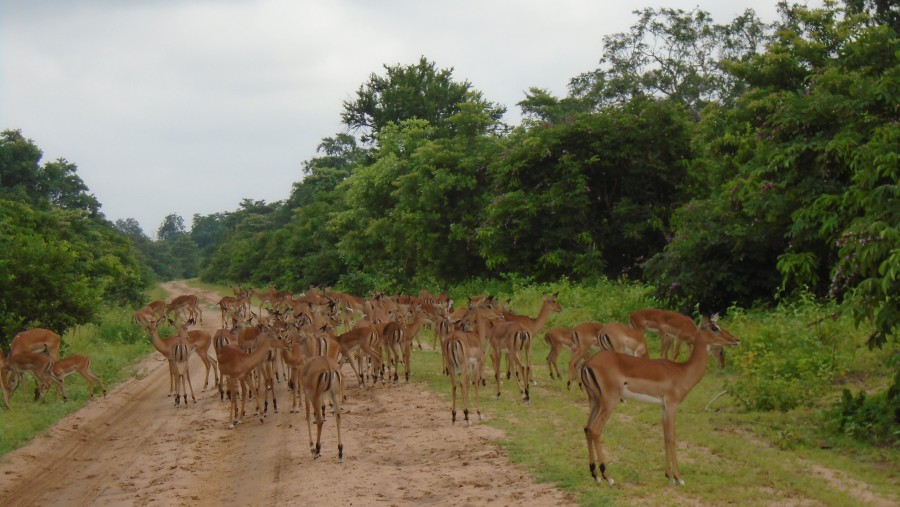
point(874, 419)
point(790, 356)
point(55, 183)
point(406, 92)
point(722, 175)
point(588, 196)
point(58, 267)
point(673, 54)
point(811, 154)
point(413, 212)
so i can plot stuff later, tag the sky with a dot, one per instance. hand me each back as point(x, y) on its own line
point(190, 106)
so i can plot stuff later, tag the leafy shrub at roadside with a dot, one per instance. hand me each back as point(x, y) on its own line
point(789, 357)
point(874, 419)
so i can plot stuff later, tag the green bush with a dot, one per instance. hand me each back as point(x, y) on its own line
point(790, 356)
point(874, 419)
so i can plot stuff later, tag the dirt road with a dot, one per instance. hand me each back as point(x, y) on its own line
point(136, 448)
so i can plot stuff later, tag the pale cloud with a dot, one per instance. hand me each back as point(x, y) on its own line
point(189, 106)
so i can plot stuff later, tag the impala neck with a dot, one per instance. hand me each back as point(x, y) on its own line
point(542, 317)
point(697, 362)
point(158, 342)
point(415, 324)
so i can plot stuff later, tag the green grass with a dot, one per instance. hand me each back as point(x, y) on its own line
point(727, 454)
point(114, 347)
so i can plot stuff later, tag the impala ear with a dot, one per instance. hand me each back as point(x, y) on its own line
point(714, 318)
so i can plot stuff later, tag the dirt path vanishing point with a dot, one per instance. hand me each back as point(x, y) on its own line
point(136, 448)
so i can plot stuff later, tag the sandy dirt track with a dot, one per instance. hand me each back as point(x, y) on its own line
point(136, 448)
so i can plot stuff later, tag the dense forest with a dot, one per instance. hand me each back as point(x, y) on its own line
point(725, 165)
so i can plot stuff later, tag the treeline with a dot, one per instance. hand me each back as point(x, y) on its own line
point(722, 163)
point(61, 261)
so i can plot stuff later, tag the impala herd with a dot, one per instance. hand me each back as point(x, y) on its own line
point(306, 339)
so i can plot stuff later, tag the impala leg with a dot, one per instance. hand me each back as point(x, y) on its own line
point(551, 362)
point(478, 367)
point(205, 360)
point(172, 374)
point(337, 420)
point(453, 391)
point(320, 420)
point(309, 403)
point(187, 375)
point(465, 391)
point(495, 360)
point(672, 473)
point(573, 363)
point(602, 406)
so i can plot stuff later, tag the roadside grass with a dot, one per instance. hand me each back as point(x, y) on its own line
point(114, 347)
point(727, 453)
point(725, 456)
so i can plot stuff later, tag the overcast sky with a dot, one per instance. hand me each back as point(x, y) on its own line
point(183, 106)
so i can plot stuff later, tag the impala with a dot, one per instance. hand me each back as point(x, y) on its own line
point(534, 325)
point(153, 312)
point(41, 365)
point(181, 352)
point(189, 303)
point(558, 338)
point(613, 336)
point(201, 341)
point(81, 364)
point(35, 340)
point(585, 337)
point(609, 377)
point(321, 376)
point(233, 309)
point(236, 366)
point(623, 338)
point(357, 342)
point(464, 358)
point(165, 347)
point(672, 327)
point(294, 358)
point(410, 331)
point(507, 337)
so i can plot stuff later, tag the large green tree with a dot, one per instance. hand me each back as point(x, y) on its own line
point(673, 54)
point(810, 167)
point(590, 195)
point(405, 92)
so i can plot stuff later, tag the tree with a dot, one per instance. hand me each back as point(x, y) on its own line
point(811, 150)
point(406, 92)
point(172, 226)
point(57, 183)
point(587, 196)
point(673, 54)
point(58, 266)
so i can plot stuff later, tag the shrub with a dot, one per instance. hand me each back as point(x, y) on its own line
point(874, 419)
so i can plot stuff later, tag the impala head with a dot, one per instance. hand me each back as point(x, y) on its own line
point(712, 333)
point(552, 303)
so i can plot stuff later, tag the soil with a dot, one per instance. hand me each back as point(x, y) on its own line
point(137, 448)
